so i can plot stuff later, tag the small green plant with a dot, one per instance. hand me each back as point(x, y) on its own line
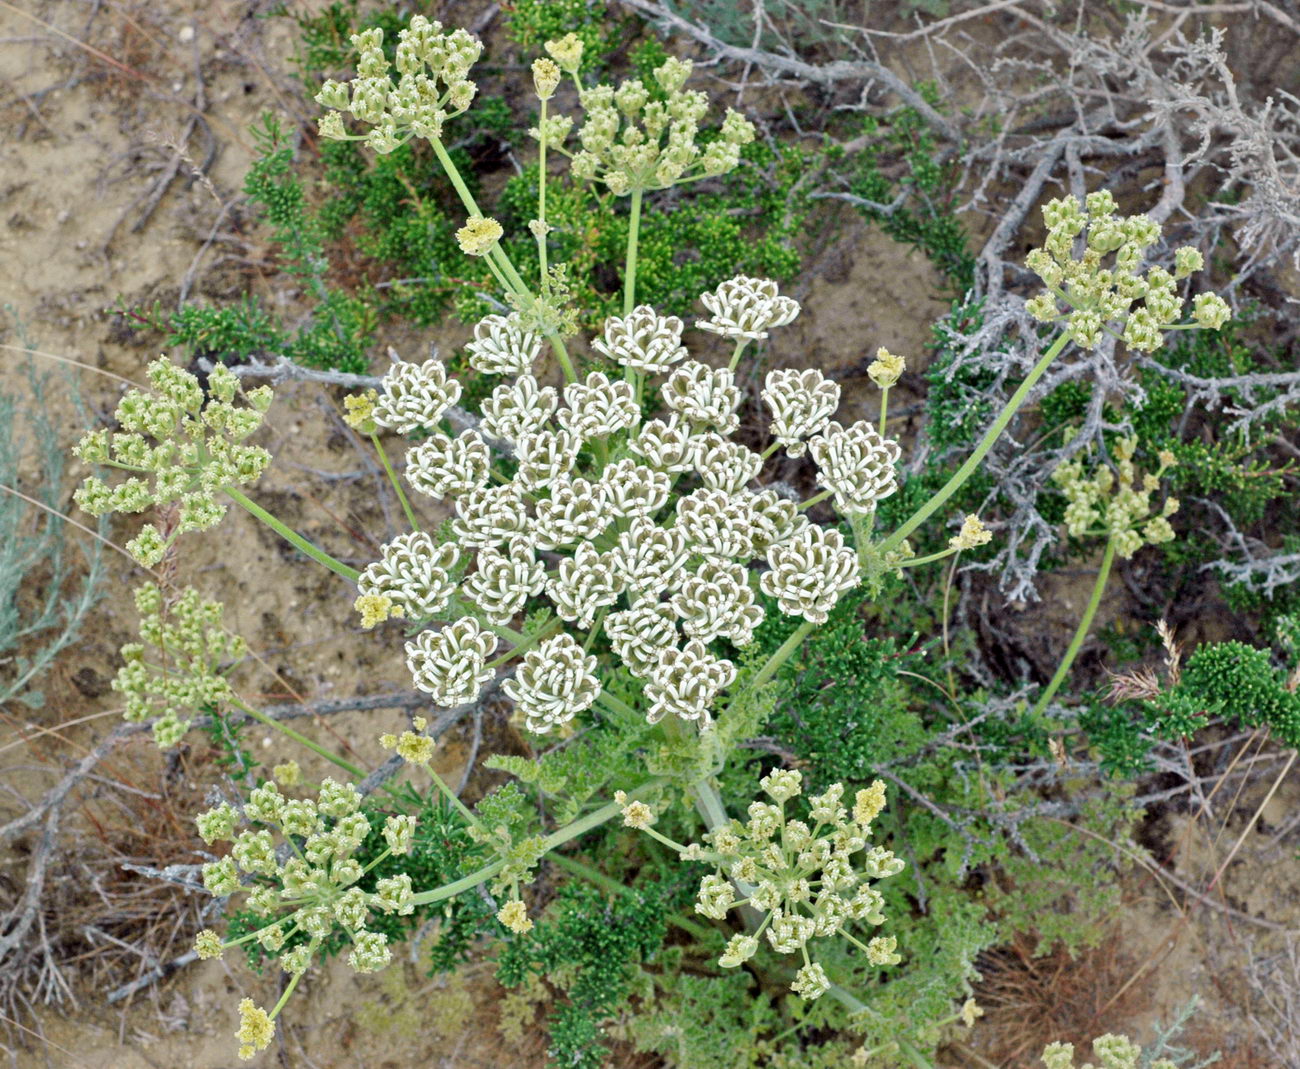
point(33, 549)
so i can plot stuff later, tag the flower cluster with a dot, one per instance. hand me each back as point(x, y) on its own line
point(811, 878)
point(1112, 1051)
point(432, 85)
point(307, 892)
point(647, 531)
point(198, 448)
point(1116, 505)
point(635, 138)
point(189, 650)
point(1101, 299)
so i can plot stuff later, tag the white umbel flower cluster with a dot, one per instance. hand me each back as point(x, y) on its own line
point(655, 533)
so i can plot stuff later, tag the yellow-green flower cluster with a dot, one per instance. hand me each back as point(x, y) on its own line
point(632, 141)
point(1143, 304)
point(1117, 503)
point(1112, 1051)
point(181, 445)
point(811, 878)
point(178, 666)
point(432, 85)
point(311, 888)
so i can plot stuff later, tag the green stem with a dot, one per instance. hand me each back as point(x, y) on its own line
point(542, 282)
point(617, 705)
point(629, 272)
point(931, 558)
point(453, 175)
point(580, 826)
point(1085, 624)
point(454, 799)
point(815, 499)
point(735, 355)
point(986, 443)
point(292, 536)
point(783, 654)
point(527, 643)
point(884, 408)
point(298, 737)
point(285, 997)
point(465, 883)
point(392, 478)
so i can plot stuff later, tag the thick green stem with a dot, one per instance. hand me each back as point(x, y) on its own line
point(884, 408)
point(465, 883)
point(629, 272)
point(782, 654)
point(735, 354)
point(298, 737)
point(526, 643)
point(392, 478)
point(453, 176)
point(292, 536)
point(285, 997)
point(1085, 624)
point(986, 443)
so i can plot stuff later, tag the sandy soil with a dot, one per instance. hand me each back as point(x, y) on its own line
point(85, 127)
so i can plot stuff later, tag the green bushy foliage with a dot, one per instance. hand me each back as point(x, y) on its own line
point(913, 193)
point(377, 245)
point(588, 945)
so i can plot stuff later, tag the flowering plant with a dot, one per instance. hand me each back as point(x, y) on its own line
point(610, 550)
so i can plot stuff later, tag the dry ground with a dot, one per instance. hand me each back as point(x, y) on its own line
point(107, 112)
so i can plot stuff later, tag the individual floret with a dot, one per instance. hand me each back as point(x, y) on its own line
point(747, 308)
point(856, 464)
point(554, 682)
point(450, 665)
point(415, 396)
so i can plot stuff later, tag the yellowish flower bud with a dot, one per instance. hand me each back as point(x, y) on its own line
point(973, 533)
point(886, 369)
point(868, 803)
point(635, 814)
point(359, 411)
point(514, 915)
point(566, 51)
point(478, 236)
point(287, 775)
point(546, 77)
point(256, 1029)
point(375, 609)
point(415, 749)
point(207, 944)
